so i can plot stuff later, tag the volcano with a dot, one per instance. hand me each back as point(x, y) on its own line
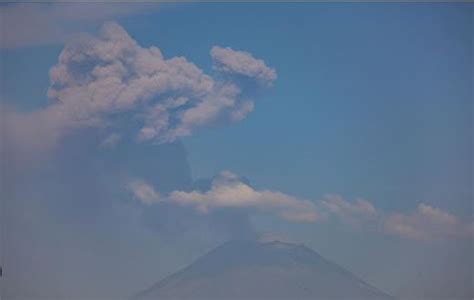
point(254, 270)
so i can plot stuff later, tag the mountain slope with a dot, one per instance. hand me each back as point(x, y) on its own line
point(252, 270)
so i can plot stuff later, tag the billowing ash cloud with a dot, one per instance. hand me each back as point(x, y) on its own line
point(96, 77)
point(242, 63)
point(99, 77)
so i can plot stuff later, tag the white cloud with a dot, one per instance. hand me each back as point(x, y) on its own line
point(144, 192)
point(111, 141)
point(426, 223)
point(228, 191)
point(337, 205)
point(470, 230)
point(98, 77)
point(436, 215)
point(39, 24)
point(229, 61)
point(354, 214)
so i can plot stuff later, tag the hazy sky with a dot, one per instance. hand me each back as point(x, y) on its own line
point(137, 137)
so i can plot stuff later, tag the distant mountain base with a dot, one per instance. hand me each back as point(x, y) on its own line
point(255, 271)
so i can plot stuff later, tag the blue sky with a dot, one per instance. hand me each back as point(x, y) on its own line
point(371, 101)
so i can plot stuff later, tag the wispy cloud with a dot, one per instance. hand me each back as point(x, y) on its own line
point(143, 191)
point(229, 191)
point(111, 141)
point(426, 223)
point(470, 229)
point(353, 214)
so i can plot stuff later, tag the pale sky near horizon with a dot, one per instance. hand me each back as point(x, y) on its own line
point(135, 137)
